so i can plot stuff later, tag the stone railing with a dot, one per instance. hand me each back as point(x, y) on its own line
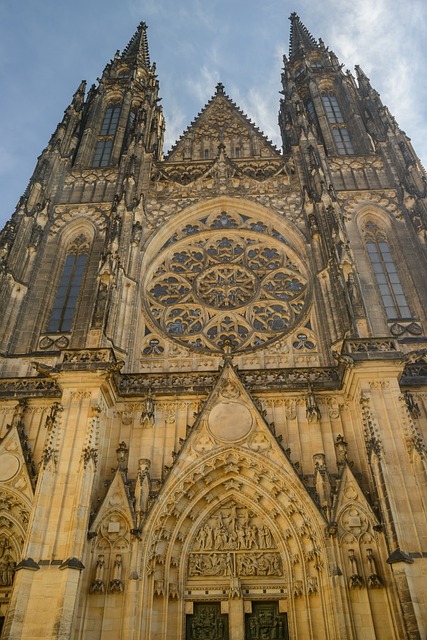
point(87, 359)
point(414, 373)
point(371, 348)
point(29, 387)
point(253, 379)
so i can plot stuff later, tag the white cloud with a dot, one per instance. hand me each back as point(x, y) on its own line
point(203, 86)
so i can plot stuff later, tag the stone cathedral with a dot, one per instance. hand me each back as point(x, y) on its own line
point(213, 393)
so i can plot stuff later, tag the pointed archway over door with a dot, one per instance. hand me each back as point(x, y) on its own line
point(234, 524)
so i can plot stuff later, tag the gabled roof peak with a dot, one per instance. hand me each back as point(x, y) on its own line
point(220, 97)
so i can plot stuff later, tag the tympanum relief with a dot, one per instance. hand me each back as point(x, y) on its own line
point(234, 542)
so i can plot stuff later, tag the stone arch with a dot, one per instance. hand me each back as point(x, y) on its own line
point(232, 272)
point(375, 213)
point(253, 484)
point(297, 240)
point(14, 517)
point(110, 553)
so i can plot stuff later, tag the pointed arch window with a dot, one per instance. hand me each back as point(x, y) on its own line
point(65, 304)
point(340, 132)
point(332, 109)
point(104, 146)
point(386, 276)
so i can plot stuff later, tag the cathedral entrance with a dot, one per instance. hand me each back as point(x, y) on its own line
point(207, 622)
point(266, 623)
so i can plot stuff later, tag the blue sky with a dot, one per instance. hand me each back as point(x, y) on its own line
point(48, 46)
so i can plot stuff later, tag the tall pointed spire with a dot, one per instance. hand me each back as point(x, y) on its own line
point(300, 38)
point(138, 46)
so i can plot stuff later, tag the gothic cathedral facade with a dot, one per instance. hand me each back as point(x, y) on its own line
point(213, 385)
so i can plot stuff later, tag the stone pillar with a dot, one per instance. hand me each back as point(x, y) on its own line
point(47, 581)
point(236, 613)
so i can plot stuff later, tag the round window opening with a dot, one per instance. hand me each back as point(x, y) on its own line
point(228, 289)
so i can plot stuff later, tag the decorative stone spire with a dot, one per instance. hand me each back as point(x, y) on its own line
point(300, 39)
point(138, 47)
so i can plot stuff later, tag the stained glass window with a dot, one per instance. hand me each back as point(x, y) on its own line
point(335, 118)
point(104, 146)
point(386, 276)
point(65, 304)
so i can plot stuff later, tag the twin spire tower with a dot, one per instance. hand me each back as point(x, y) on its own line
point(213, 391)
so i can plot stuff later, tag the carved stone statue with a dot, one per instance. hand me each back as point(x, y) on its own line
point(116, 584)
point(98, 585)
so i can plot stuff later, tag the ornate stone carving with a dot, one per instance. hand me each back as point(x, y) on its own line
point(371, 431)
point(341, 450)
point(53, 415)
point(371, 346)
point(412, 404)
point(142, 489)
point(226, 285)
point(355, 580)
point(12, 506)
point(116, 584)
point(89, 453)
point(312, 408)
point(148, 415)
point(354, 521)
point(374, 580)
point(98, 585)
point(311, 585)
point(220, 545)
point(254, 380)
point(29, 387)
point(7, 562)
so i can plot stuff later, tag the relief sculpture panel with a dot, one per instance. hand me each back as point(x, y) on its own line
point(234, 542)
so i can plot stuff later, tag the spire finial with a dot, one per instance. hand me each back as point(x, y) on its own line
point(300, 39)
point(138, 46)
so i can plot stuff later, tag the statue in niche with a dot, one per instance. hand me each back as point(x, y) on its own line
point(18, 412)
point(148, 411)
point(98, 585)
point(142, 489)
point(354, 295)
point(312, 408)
point(7, 567)
point(116, 584)
point(341, 450)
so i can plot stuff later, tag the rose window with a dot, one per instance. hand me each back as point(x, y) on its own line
point(234, 288)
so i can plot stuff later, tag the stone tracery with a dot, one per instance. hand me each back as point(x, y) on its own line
point(244, 287)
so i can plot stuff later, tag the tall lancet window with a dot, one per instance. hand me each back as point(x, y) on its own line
point(385, 272)
point(104, 145)
point(65, 305)
point(338, 126)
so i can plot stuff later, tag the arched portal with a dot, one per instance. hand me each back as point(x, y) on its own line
point(235, 530)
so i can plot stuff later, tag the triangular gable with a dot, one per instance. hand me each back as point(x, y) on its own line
point(116, 505)
point(221, 125)
point(15, 465)
point(351, 510)
point(230, 417)
point(232, 506)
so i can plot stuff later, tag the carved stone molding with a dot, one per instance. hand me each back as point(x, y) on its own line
point(29, 387)
point(371, 348)
point(255, 380)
